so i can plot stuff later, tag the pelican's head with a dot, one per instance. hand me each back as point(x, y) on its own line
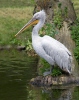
point(40, 15)
point(36, 18)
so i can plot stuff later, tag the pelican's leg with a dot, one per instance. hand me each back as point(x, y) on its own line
point(51, 68)
point(48, 72)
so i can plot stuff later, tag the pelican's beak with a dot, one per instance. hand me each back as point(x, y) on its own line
point(33, 21)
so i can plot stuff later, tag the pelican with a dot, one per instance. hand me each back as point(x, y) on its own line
point(47, 47)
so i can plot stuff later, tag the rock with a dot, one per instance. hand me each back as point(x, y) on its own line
point(54, 81)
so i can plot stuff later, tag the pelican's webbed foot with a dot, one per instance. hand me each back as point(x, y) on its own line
point(48, 72)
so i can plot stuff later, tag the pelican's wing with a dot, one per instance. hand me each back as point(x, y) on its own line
point(59, 53)
point(52, 40)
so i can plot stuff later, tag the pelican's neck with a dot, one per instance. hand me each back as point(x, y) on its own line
point(37, 28)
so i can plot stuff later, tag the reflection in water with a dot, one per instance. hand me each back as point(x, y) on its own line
point(16, 70)
point(36, 93)
point(66, 95)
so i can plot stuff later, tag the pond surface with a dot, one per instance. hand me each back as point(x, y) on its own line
point(16, 70)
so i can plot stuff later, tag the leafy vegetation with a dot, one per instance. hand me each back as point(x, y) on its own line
point(58, 19)
point(75, 37)
point(76, 6)
point(48, 29)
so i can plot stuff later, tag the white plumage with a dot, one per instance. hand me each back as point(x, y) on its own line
point(48, 48)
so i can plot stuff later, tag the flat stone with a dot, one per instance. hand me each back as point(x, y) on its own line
point(50, 81)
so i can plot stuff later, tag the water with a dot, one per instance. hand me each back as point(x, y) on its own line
point(16, 70)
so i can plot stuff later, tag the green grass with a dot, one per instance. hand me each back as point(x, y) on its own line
point(16, 3)
point(12, 20)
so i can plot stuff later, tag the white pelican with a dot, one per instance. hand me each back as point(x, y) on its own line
point(47, 47)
